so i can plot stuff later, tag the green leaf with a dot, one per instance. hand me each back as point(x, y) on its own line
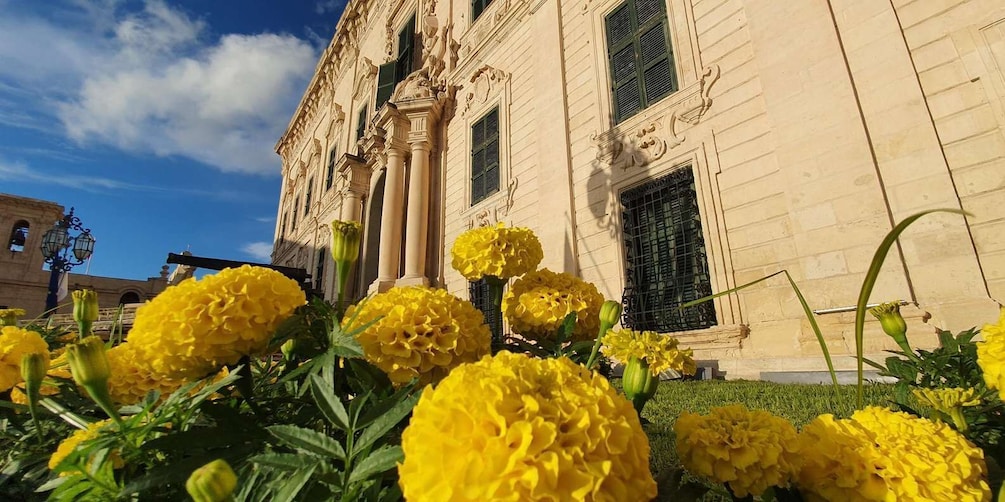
point(306, 439)
point(384, 423)
point(565, 330)
point(816, 331)
point(378, 461)
point(288, 491)
point(329, 404)
point(870, 281)
point(284, 461)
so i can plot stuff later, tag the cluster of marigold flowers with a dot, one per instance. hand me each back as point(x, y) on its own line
point(876, 454)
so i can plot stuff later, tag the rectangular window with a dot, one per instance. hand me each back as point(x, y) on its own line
point(477, 7)
point(282, 229)
point(361, 124)
point(319, 271)
point(389, 75)
point(296, 203)
point(478, 293)
point(307, 198)
point(330, 177)
point(485, 157)
point(666, 264)
point(639, 55)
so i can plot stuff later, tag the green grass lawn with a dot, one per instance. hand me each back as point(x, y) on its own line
point(798, 403)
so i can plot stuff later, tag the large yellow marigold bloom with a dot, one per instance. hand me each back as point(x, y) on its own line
point(131, 379)
point(660, 351)
point(991, 354)
point(194, 328)
point(496, 251)
point(750, 451)
point(537, 303)
point(14, 343)
point(424, 333)
point(73, 441)
point(516, 428)
point(879, 454)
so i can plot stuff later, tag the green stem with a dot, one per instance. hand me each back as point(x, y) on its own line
point(604, 327)
point(342, 268)
point(99, 393)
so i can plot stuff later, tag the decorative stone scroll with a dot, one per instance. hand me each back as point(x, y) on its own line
point(651, 140)
point(486, 82)
point(497, 16)
point(497, 212)
point(367, 73)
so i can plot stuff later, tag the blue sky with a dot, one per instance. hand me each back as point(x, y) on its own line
point(156, 119)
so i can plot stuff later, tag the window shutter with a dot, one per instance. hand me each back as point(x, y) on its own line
point(619, 26)
point(307, 198)
point(361, 124)
point(406, 51)
point(646, 10)
point(385, 83)
point(640, 57)
point(330, 178)
point(485, 156)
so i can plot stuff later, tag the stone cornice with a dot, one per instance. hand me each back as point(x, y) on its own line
point(331, 67)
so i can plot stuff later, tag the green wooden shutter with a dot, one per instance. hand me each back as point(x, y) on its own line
point(639, 55)
point(485, 157)
point(385, 83)
point(406, 50)
point(361, 124)
point(622, 61)
point(307, 198)
point(330, 178)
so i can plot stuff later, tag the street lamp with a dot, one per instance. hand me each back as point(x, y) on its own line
point(63, 251)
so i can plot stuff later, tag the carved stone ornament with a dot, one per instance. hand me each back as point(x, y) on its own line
point(646, 144)
point(496, 15)
point(367, 72)
point(695, 107)
point(301, 169)
point(492, 214)
point(486, 83)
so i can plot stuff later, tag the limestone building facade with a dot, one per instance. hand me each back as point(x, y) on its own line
point(668, 149)
point(24, 277)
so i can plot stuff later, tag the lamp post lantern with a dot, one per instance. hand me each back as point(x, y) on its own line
point(63, 251)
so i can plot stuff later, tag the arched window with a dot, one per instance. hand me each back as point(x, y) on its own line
point(129, 297)
point(18, 236)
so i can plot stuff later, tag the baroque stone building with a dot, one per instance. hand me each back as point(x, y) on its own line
point(24, 282)
point(668, 149)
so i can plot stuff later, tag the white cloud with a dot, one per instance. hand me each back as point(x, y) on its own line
point(261, 251)
point(152, 82)
point(21, 172)
point(266, 219)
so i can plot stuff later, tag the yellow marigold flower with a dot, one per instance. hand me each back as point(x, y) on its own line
point(496, 251)
point(424, 333)
point(194, 328)
point(14, 343)
point(75, 440)
point(945, 400)
point(660, 351)
point(750, 451)
point(512, 427)
point(131, 379)
point(879, 454)
point(991, 354)
point(9, 317)
point(537, 303)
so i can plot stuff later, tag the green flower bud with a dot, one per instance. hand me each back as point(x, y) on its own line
point(85, 310)
point(34, 366)
point(610, 313)
point(89, 366)
point(88, 362)
point(639, 383)
point(9, 317)
point(289, 348)
point(213, 482)
point(345, 241)
point(893, 324)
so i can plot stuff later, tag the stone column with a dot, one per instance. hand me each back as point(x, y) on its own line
point(417, 222)
point(392, 211)
point(354, 170)
point(423, 115)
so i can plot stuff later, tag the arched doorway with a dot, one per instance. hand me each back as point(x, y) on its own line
point(129, 297)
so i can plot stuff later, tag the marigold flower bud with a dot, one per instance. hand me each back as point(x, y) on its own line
point(88, 362)
point(289, 348)
point(85, 309)
point(610, 313)
point(9, 317)
point(893, 324)
point(639, 383)
point(213, 482)
point(345, 240)
point(34, 366)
